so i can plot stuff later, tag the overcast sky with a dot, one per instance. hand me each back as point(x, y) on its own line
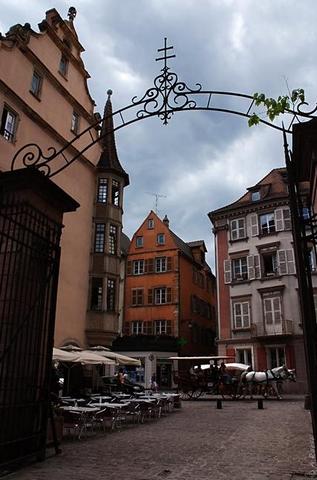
point(200, 161)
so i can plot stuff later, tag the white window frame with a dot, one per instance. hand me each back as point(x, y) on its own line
point(160, 295)
point(255, 196)
point(160, 239)
point(138, 267)
point(137, 327)
point(160, 327)
point(269, 216)
point(273, 314)
point(160, 264)
point(237, 231)
point(277, 354)
point(244, 314)
point(242, 273)
point(9, 129)
point(139, 241)
point(36, 83)
point(244, 349)
point(150, 223)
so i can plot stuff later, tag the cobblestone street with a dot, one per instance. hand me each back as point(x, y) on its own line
point(197, 442)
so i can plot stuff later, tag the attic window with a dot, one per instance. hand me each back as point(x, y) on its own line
point(255, 196)
point(63, 65)
point(150, 223)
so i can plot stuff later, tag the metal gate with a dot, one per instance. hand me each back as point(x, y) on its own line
point(29, 262)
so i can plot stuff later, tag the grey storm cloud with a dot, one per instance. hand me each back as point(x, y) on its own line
point(201, 160)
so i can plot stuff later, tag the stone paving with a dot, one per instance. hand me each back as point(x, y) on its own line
point(238, 442)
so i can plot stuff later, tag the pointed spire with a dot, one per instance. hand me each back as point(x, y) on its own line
point(109, 157)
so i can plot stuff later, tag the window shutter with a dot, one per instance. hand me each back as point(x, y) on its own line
point(254, 225)
point(287, 219)
point(237, 315)
point(277, 310)
point(251, 269)
point(257, 266)
point(279, 219)
point(150, 295)
point(169, 327)
point(129, 267)
point(245, 315)
point(169, 263)
point(134, 297)
point(227, 270)
point(140, 296)
point(281, 262)
point(150, 265)
point(290, 261)
point(168, 295)
point(268, 313)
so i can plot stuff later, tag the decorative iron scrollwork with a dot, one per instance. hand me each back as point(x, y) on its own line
point(167, 95)
point(32, 156)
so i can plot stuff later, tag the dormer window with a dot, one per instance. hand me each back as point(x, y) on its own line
point(255, 196)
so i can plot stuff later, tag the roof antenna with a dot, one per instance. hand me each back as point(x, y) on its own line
point(157, 196)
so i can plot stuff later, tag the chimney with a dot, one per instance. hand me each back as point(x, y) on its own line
point(166, 221)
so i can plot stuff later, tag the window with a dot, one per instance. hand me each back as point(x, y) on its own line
point(113, 236)
point(137, 328)
point(272, 307)
point(312, 259)
point(269, 264)
point(244, 355)
point(160, 264)
point(111, 295)
point(238, 229)
point(96, 293)
point(150, 223)
point(63, 65)
point(241, 315)
point(139, 241)
point(102, 190)
point(100, 238)
point(160, 239)
point(138, 267)
point(75, 123)
point(267, 223)
point(137, 296)
point(36, 84)
point(239, 269)
point(255, 196)
point(8, 124)
point(276, 357)
point(162, 295)
point(115, 194)
point(160, 327)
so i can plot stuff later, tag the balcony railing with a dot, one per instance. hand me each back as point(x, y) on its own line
point(286, 327)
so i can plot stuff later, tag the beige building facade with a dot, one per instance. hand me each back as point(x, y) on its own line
point(45, 100)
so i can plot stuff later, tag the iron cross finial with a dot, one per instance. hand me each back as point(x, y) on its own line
point(165, 56)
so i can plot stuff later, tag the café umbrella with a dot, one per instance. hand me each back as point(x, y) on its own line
point(117, 357)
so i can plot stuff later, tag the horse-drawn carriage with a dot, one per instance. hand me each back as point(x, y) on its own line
point(196, 377)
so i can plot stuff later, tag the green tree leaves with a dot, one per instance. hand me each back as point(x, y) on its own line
point(274, 107)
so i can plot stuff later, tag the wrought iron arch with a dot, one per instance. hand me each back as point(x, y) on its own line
point(166, 97)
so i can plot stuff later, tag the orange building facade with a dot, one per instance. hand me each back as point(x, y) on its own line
point(170, 298)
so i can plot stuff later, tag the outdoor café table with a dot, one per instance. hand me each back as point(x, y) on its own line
point(110, 405)
point(88, 409)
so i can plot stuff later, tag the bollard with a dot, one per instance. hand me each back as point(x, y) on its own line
point(260, 404)
point(219, 404)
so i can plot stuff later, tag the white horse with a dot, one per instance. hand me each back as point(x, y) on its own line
point(267, 379)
